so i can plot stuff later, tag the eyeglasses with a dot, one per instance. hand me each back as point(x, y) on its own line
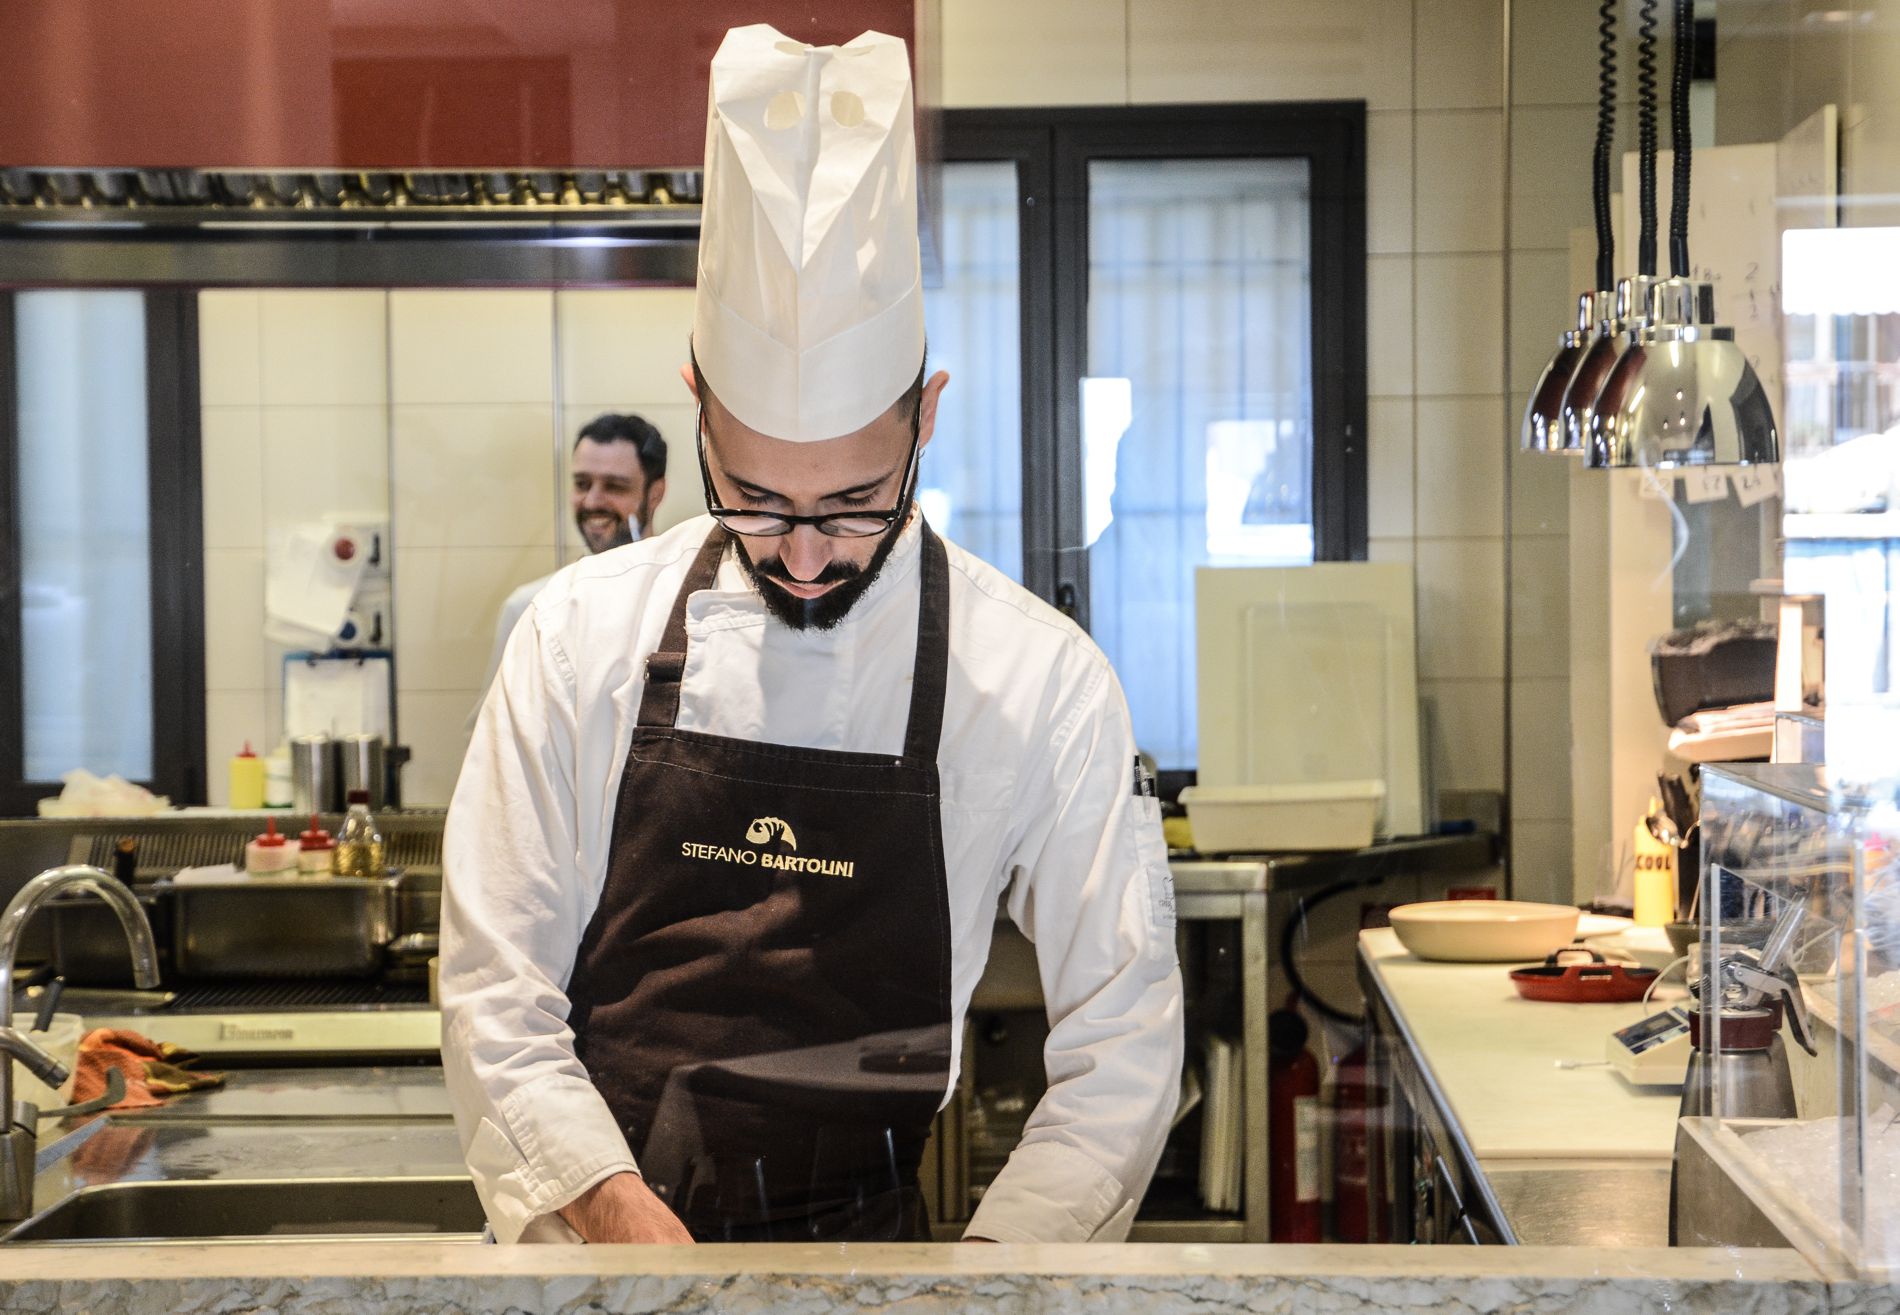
point(838, 525)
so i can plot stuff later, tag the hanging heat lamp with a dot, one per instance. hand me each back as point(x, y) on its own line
point(1627, 316)
point(1682, 393)
point(1543, 428)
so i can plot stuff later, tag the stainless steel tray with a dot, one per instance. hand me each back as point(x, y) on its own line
point(282, 926)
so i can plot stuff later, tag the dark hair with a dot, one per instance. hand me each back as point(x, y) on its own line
point(906, 404)
point(609, 427)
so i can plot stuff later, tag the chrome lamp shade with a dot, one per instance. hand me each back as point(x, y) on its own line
point(1543, 429)
point(1613, 335)
point(1682, 393)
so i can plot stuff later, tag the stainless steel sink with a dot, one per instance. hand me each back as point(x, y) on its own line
point(438, 1208)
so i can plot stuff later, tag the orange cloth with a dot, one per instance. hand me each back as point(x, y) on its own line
point(153, 1069)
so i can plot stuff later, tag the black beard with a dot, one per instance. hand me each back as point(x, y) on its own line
point(828, 609)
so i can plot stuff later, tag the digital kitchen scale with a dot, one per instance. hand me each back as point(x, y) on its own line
point(1654, 1052)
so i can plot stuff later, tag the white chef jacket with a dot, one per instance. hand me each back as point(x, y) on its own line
point(1039, 809)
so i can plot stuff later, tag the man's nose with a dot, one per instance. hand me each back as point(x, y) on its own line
point(806, 552)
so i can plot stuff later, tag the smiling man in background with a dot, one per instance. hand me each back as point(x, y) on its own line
point(618, 483)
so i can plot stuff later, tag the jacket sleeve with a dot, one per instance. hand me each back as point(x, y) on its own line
point(535, 1130)
point(1091, 888)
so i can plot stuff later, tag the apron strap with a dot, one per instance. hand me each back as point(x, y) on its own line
point(666, 666)
point(932, 672)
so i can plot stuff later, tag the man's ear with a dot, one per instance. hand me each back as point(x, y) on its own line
point(692, 384)
point(927, 406)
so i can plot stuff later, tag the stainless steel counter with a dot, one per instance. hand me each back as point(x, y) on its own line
point(1583, 1203)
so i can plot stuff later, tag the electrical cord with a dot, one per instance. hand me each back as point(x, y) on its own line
point(1605, 143)
point(1291, 932)
point(1680, 139)
point(1646, 139)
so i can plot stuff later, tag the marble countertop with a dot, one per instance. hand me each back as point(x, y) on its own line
point(397, 1278)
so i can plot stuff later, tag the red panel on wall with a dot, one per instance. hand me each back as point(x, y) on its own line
point(378, 84)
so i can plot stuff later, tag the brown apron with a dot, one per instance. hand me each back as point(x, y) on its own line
point(763, 993)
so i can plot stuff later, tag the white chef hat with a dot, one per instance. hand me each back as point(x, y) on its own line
point(809, 317)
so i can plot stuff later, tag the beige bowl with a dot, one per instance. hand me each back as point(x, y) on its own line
point(1484, 931)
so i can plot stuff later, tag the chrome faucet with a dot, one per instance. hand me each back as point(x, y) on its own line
point(18, 1141)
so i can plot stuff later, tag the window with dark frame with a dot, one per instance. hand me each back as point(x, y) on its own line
point(1286, 176)
point(170, 642)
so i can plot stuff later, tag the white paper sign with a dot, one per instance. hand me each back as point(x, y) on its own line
point(1703, 484)
point(1755, 484)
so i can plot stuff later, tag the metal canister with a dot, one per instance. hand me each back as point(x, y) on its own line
point(365, 767)
point(315, 784)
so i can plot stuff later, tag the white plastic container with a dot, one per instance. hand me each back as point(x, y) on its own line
point(1256, 819)
point(61, 1041)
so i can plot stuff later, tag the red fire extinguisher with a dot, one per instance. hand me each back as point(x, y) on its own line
point(1358, 1166)
point(1292, 1128)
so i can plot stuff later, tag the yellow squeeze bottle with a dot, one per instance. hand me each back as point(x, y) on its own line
point(247, 779)
point(1655, 874)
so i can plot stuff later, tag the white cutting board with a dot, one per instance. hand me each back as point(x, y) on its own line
point(1310, 674)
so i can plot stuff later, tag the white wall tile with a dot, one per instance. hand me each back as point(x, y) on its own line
point(447, 602)
point(1461, 54)
point(1460, 325)
point(1469, 721)
point(1540, 749)
point(473, 476)
point(1461, 608)
point(1460, 466)
point(232, 475)
point(231, 718)
point(234, 620)
point(228, 350)
point(1554, 52)
point(1543, 306)
point(1461, 181)
point(1389, 447)
point(463, 345)
point(624, 343)
point(1389, 326)
point(1540, 606)
point(1054, 52)
point(1540, 491)
point(434, 724)
point(1541, 862)
point(326, 461)
point(1218, 50)
point(1400, 549)
point(1389, 181)
point(1550, 173)
point(323, 346)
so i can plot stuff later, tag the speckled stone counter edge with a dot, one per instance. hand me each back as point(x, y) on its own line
point(398, 1277)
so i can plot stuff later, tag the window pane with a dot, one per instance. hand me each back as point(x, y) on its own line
point(86, 606)
point(1197, 415)
point(971, 486)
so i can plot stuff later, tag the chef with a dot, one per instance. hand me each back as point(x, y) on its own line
point(724, 859)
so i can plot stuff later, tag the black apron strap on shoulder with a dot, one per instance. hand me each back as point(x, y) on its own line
point(666, 665)
point(932, 671)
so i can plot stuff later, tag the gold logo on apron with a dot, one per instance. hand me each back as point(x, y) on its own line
point(772, 835)
point(771, 831)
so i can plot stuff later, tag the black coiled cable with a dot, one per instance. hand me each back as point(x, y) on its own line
point(1605, 143)
point(1680, 143)
point(1646, 139)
